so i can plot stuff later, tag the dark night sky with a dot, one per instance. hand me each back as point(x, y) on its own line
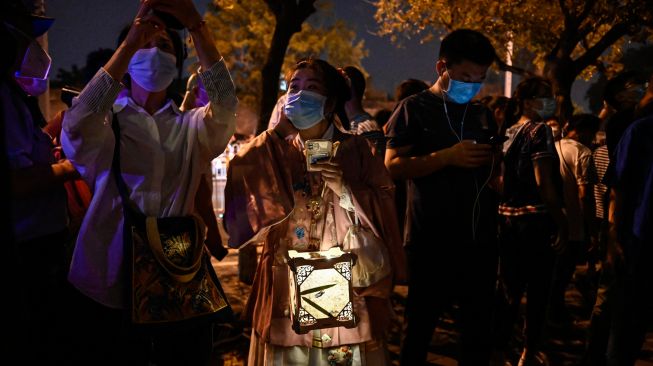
point(82, 26)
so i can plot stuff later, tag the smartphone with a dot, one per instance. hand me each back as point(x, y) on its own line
point(490, 139)
point(317, 151)
point(498, 140)
point(169, 20)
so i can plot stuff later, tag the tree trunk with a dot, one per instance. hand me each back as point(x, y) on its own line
point(560, 71)
point(270, 73)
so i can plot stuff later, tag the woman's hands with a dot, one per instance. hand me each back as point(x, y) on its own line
point(332, 176)
point(144, 29)
point(183, 10)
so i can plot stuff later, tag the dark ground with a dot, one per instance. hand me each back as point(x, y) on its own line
point(565, 346)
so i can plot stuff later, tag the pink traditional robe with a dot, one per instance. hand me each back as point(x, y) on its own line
point(266, 198)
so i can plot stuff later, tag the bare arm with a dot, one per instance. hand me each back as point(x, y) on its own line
point(466, 154)
point(543, 168)
point(615, 252)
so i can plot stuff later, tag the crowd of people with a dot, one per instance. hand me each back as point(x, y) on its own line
point(478, 203)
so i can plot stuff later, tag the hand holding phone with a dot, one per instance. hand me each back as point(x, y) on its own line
point(317, 151)
point(491, 139)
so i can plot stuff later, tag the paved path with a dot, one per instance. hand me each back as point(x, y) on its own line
point(564, 348)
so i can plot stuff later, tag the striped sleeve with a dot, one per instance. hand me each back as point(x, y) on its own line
point(100, 93)
point(219, 85)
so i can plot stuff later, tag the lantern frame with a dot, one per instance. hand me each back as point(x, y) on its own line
point(302, 266)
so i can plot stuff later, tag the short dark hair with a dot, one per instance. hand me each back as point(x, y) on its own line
point(618, 84)
point(493, 102)
point(584, 122)
point(469, 45)
point(357, 80)
point(409, 87)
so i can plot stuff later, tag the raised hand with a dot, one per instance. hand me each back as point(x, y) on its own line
point(469, 154)
point(145, 28)
point(183, 10)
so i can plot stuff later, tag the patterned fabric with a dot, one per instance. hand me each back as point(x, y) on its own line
point(601, 162)
point(372, 353)
point(520, 193)
point(341, 356)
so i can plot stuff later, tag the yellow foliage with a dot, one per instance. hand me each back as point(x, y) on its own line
point(243, 32)
point(535, 26)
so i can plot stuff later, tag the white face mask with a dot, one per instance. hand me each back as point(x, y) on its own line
point(153, 69)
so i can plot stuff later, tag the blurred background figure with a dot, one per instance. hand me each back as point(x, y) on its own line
point(409, 87)
point(578, 178)
point(533, 225)
point(497, 104)
point(622, 93)
point(357, 120)
point(36, 205)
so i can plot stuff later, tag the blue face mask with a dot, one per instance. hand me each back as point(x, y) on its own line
point(153, 69)
point(461, 92)
point(304, 109)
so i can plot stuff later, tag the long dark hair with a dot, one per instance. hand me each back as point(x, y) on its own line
point(334, 83)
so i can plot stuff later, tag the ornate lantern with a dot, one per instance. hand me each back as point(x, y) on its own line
point(320, 289)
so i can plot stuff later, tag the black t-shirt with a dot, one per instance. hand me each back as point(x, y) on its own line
point(440, 205)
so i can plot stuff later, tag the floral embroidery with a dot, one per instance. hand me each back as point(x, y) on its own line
point(341, 356)
point(300, 232)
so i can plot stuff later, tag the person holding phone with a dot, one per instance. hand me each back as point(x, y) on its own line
point(164, 153)
point(436, 144)
point(277, 195)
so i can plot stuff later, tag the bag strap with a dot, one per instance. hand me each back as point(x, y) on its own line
point(180, 274)
point(131, 211)
point(134, 214)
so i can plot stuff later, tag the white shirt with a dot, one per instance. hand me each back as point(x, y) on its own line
point(163, 157)
point(575, 169)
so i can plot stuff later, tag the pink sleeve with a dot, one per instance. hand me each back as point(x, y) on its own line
point(258, 194)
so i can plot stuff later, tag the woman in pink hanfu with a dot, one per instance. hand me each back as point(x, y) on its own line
point(270, 197)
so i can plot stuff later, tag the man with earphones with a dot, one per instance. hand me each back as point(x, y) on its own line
point(440, 142)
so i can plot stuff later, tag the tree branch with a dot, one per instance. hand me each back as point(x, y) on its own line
point(589, 4)
point(503, 66)
point(565, 12)
point(276, 7)
point(616, 32)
